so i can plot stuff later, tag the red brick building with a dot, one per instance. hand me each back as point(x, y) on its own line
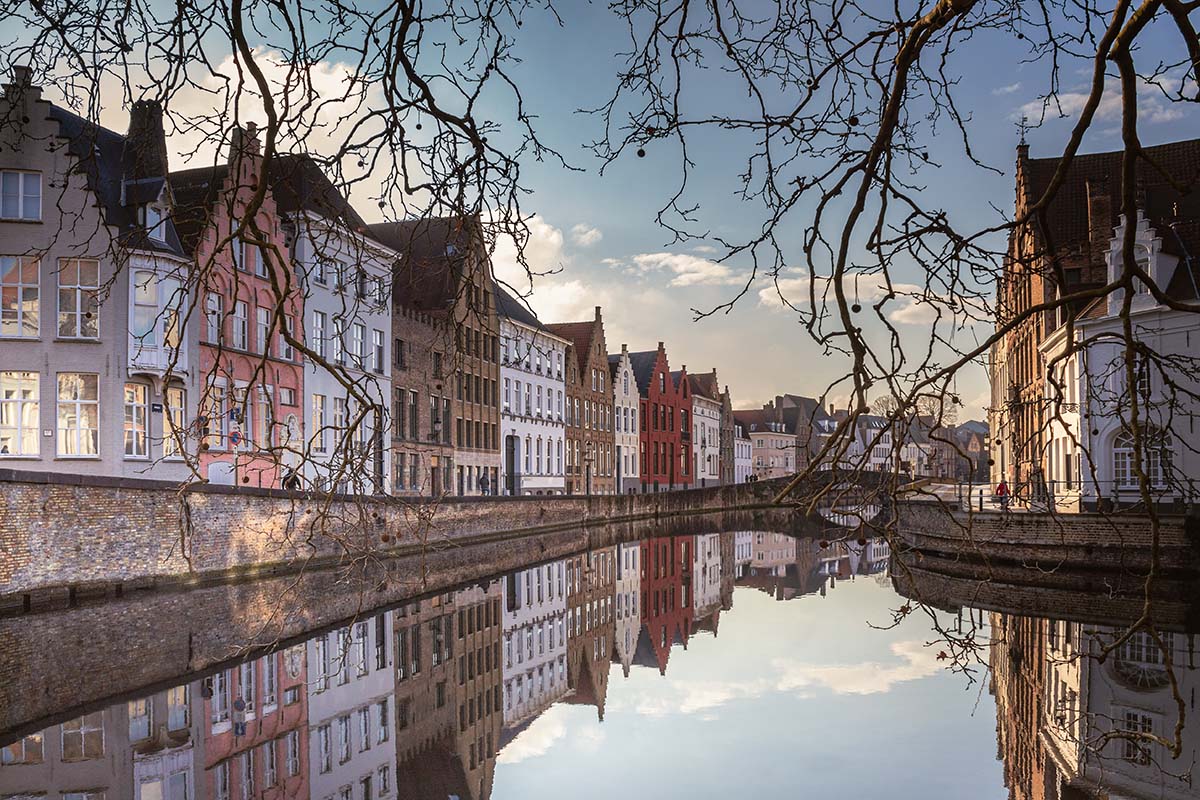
point(665, 420)
point(666, 599)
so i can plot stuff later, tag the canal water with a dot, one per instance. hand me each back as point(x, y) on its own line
point(720, 665)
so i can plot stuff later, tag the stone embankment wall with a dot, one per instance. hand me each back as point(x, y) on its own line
point(67, 537)
point(1121, 541)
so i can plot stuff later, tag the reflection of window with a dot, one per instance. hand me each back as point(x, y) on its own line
point(178, 708)
point(83, 737)
point(78, 414)
point(19, 296)
point(139, 719)
point(1141, 662)
point(25, 751)
point(1135, 749)
point(78, 298)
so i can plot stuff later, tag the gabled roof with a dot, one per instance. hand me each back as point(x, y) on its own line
point(643, 363)
point(196, 191)
point(614, 366)
point(298, 183)
point(1175, 216)
point(110, 161)
point(705, 384)
point(433, 252)
point(579, 334)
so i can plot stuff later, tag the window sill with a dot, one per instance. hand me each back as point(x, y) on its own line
point(21, 221)
point(20, 457)
point(4, 338)
point(77, 340)
point(77, 458)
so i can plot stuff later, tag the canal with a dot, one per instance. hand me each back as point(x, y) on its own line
point(742, 663)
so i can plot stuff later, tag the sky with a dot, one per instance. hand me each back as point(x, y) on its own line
point(597, 232)
point(791, 699)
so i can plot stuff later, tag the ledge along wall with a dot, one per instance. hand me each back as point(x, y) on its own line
point(66, 537)
point(1090, 541)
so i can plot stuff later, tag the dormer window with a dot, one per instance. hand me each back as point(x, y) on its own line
point(153, 217)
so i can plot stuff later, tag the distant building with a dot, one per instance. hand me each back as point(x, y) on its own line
point(591, 460)
point(445, 272)
point(533, 427)
point(627, 604)
point(423, 405)
point(626, 409)
point(773, 448)
point(591, 578)
point(666, 436)
point(743, 452)
point(667, 564)
point(535, 641)
point(709, 437)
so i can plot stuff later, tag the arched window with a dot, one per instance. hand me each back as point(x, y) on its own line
point(1156, 452)
point(625, 382)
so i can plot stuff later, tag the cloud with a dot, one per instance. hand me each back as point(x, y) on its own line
point(1152, 106)
point(543, 253)
point(1010, 89)
point(585, 235)
point(536, 740)
point(687, 269)
point(869, 677)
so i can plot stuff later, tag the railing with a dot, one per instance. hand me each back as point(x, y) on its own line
point(1068, 496)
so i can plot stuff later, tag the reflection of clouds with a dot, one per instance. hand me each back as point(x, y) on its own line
point(870, 677)
point(800, 680)
point(537, 739)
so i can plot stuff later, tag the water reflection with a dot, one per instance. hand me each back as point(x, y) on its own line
point(500, 688)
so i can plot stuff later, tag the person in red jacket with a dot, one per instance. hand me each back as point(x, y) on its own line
point(1002, 494)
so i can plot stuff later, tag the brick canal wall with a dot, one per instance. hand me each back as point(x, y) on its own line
point(1050, 541)
point(63, 537)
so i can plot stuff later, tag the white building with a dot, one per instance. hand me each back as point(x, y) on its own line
point(535, 641)
point(627, 617)
point(706, 440)
point(743, 552)
point(346, 279)
point(531, 414)
point(743, 454)
point(1089, 464)
point(351, 736)
point(625, 421)
point(706, 574)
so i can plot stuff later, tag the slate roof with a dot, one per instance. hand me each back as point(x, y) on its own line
point(514, 309)
point(614, 366)
point(705, 384)
point(196, 192)
point(1174, 215)
point(106, 158)
point(433, 257)
point(643, 369)
point(298, 183)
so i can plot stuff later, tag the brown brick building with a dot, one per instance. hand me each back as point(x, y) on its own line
point(422, 403)
point(591, 626)
point(590, 462)
point(445, 272)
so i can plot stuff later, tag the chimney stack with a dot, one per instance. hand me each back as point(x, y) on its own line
point(243, 141)
point(146, 142)
point(1099, 208)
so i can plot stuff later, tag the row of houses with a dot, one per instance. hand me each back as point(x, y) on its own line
point(1069, 397)
point(419, 700)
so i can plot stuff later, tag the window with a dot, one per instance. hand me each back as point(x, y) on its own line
point(270, 681)
point(324, 749)
point(19, 296)
point(220, 698)
point(286, 351)
point(377, 355)
point(364, 729)
point(221, 780)
point(246, 686)
point(358, 344)
point(24, 751)
point(1135, 749)
point(385, 780)
point(241, 322)
point(136, 412)
point(152, 221)
point(398, 354)
point(1155, 450)
point(320, 440)
point(178, 708)
point(19, 413)
point(343, 725)
point(78, 414)
point(20, 195)
point(78, 298)
point(247, 764)
point(292, 743)
point(83, 737)
point(262, 329)
point(139, 719)
point(270, 776)
point(318, 333)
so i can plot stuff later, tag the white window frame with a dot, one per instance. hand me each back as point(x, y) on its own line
point(84, 297)
point(14, 283)
point(75, 434)
point(136, 422)
point(23, 197)
point(20, 413)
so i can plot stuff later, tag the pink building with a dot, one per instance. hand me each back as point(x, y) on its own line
point(251, 377)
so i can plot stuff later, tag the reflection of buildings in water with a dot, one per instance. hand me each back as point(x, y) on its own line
point(743, 551)
point(811, 568)
point(535, 641)
point(666, 599)
point(627, 618)
point(1072, 726)
point(350, 709)
point(591, 584)
point(706, 578)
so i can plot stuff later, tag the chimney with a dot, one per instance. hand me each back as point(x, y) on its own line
point(243, 141)
point(146, 143)
point(597, 313)
point(660, 345)
point(21, 84)
point(1099, 208)
point(624, 349)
